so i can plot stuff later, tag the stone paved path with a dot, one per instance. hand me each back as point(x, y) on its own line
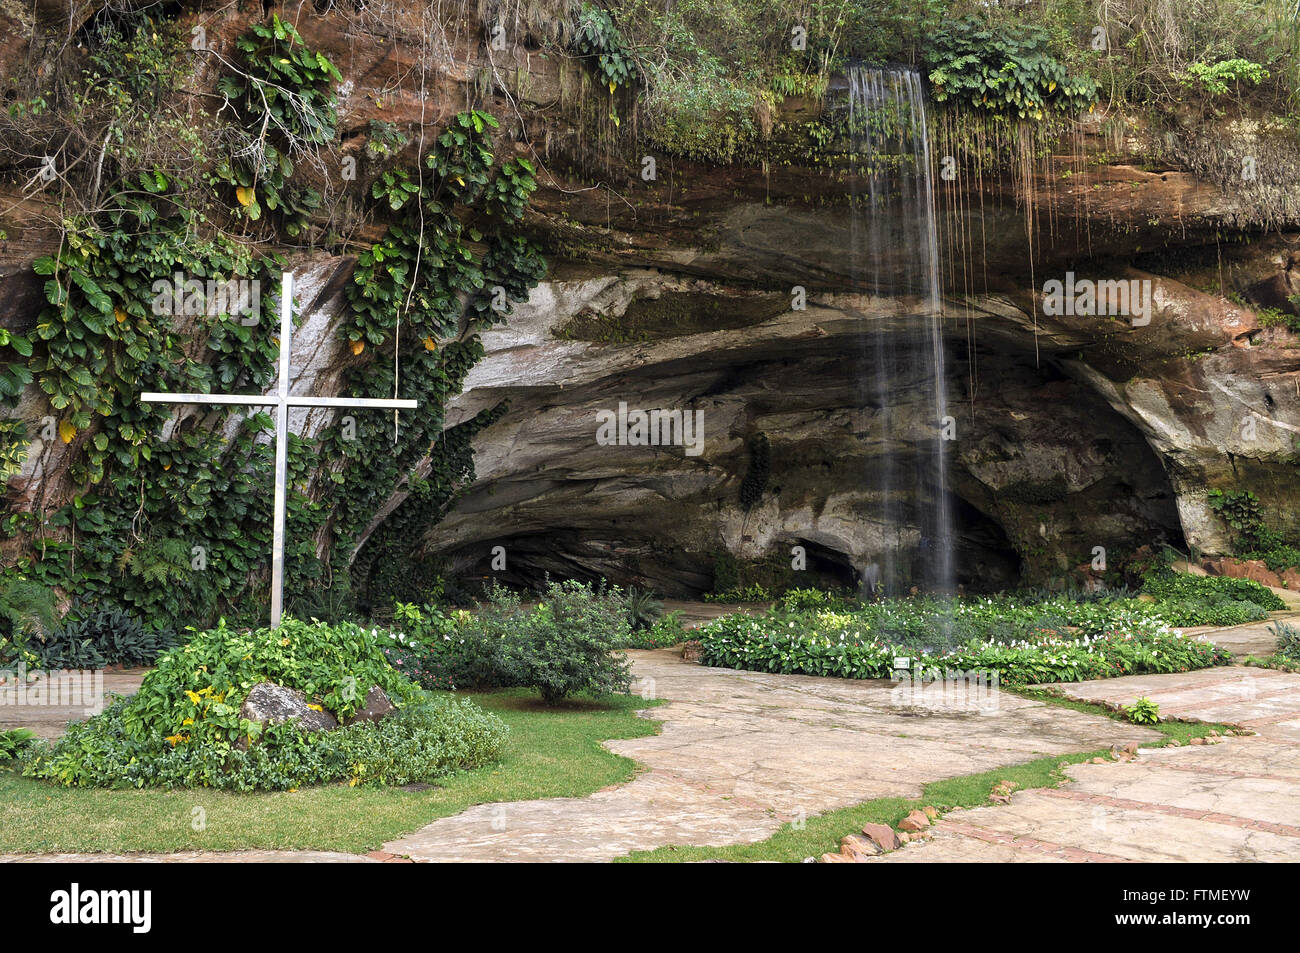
point(26, 706)
point(743, 752)
point(1253, 638)
point(1238, 800)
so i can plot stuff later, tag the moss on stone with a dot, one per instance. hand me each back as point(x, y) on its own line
point(673, 314)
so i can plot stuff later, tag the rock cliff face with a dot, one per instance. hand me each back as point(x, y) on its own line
point(1070, 432)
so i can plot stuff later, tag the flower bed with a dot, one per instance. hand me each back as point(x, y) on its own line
point(1052, 641)
point(184, 727)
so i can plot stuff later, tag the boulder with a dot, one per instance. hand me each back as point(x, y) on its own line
point(269, 703)
point(1253, 569)
point(377, 706)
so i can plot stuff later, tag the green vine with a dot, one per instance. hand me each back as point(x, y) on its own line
point(170, 516)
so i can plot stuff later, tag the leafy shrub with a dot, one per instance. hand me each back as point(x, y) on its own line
point(643, 609)
point(566, 645)
point(562, 646)
point(109, 635)
point(1008, 70)
point(437, 651)
point(1215, 79)
point(1215, 591)
point(597, 37)
point(27, 615)
point(1288, 641)
point(183, 727)
point(754, 592)
point(1142, 712)
point(13, 742)
point(666, 631)
point(802, 599)
point(1276, 557)
point(423, 742)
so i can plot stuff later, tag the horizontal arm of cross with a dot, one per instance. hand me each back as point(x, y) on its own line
point(271, 400)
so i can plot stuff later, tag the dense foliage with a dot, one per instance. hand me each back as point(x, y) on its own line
point(565, 645)
point(184, 728)
point(1024, 644)
point(172, 522)
point(1210, 600)
point(106, 635)
point(14, 742)
point(1007, 69)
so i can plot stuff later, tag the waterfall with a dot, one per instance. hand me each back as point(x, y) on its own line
point(896, 252)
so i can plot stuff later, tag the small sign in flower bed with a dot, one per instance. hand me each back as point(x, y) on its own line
point(273, 709)
point(1049, 642)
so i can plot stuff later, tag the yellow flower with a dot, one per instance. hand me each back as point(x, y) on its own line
point(187, 721)
point(315, 708)
point(193, 696)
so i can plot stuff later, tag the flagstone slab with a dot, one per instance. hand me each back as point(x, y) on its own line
point(28, 705)
point(1237, 800)
point(741, 753)
point(1252, 638)
point(1236, 694)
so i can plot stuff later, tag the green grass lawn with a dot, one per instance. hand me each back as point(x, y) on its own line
point(551, 753)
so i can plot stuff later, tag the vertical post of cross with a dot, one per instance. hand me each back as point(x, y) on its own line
point(281, 448)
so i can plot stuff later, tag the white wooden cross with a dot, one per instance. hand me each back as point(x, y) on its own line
point(281, 401)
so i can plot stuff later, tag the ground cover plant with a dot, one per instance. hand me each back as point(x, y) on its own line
point(1186, 600)
point(1023, 641)
point(105, 635)
point(184, 728)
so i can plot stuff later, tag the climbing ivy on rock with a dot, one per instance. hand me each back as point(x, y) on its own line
point(170, 515)
point(286, 98)
point(449, 267)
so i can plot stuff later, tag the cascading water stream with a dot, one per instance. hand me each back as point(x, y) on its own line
point(896, 253)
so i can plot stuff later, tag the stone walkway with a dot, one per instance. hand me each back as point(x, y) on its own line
point(27, 706)
point(1236, 800)
point(743, 752)
point(1253, 638)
